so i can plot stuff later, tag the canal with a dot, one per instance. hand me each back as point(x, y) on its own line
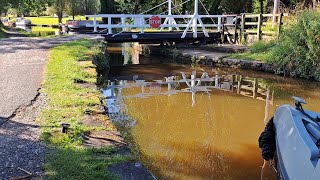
point(195, 122)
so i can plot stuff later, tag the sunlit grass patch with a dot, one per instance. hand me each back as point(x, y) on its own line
point(85, 163)
point(49, 20)
point(259, 51)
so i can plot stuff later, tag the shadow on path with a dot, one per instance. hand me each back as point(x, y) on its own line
point(20, 148)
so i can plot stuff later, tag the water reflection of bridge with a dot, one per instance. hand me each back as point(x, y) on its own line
point(245, 86)
point(237, 84)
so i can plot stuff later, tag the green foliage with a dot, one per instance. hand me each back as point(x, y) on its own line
point(236, 6)
point(2, 31)
point(194, 61)
point(108, 7)
point(101, 60)
point(298, 51)
point(24, 6)
point(260, 6)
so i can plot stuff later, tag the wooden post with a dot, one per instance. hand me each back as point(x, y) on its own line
point(235, 31)
point(276, 5)
point(279, 24)
point(260, 20)
point(243, 20)
point(239, 84)
point(95, 29)
point(255, 88)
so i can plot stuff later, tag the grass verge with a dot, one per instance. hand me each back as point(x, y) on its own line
point(44, 32)
point(259, 51)
point(70, 101)
point(263, 57)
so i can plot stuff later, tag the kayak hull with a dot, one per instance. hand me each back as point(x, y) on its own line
point(297, 153)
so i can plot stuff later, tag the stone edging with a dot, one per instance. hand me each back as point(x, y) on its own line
point(186, 58)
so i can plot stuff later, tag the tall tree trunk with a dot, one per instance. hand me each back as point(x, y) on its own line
point(73, 9)
point(86, 7)
point(261, 6)
point(59, 10)
point(307, 3)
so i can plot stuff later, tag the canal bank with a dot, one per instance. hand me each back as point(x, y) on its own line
point(209, 56)
point(91, 147)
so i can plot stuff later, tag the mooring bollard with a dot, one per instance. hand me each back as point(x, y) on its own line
point(65, 127)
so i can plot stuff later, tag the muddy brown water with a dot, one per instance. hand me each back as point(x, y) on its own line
point(207, 132)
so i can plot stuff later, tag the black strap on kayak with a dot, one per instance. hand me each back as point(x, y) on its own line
point(300, 108)
point(315, 120)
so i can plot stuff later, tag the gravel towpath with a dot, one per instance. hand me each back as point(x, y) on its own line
point(22, 64)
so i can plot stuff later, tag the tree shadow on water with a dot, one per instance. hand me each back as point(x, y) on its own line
point(205, 162)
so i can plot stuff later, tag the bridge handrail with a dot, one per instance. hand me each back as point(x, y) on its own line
point(150, 15)
point(144, 17)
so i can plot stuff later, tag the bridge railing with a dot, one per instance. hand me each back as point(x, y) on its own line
point(141, 22)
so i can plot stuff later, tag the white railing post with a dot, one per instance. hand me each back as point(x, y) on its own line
point(123, 22)
point(203, 28)
point(109, 25)
point(187, 28)
point(219, 23)
point(195, 27)
point(170, 13)
point(95, 24)
point(195, 19)
point(142, 24)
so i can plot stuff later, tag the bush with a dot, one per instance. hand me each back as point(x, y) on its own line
point(298, 50)
point(101, 60)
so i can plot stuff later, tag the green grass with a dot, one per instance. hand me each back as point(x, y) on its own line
point(81, 163)
point(69, 103)
point(48, 20)
point(263, 57)
point(259, 51)
point(44, 32)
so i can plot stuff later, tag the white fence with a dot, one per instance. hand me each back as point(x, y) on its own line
point(192, 23)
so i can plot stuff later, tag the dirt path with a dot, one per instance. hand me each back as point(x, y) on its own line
point(22, 64)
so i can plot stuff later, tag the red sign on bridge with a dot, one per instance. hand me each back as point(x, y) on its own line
point(155, 21)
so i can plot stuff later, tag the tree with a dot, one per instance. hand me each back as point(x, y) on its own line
point(260, 6)
point(309, 3)
point(108, 7)
point(236, 6)
point(23, 7)
point(60, 6)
